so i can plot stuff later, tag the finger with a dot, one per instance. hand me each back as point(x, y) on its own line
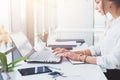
point(56, 49)
point(61, 55)
point(55, 53)
point(72, 56)
point(58, 52)
point(65, 50)
point(67, 54)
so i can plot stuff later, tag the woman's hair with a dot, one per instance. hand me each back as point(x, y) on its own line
point(103, 7)
point(117, 2)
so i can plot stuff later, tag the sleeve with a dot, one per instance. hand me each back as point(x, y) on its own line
point(112, 60)
point(95, 50)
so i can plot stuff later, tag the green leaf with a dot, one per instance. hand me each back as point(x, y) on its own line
point(3, 61)
point(10, 70)
point(11, 67)
point(16, 61)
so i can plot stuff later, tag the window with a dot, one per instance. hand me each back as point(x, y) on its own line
point(5, 14)
point(75, 19)
point(66, 16)
point(45, 17)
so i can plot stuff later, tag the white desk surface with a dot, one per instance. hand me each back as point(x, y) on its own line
point(73, 72)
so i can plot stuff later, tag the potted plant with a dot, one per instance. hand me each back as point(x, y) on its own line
point(5, 67)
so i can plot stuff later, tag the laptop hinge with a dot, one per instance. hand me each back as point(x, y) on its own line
point(30, 53)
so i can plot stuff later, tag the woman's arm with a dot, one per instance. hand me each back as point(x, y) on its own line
point(88, 59)
point(80, 57)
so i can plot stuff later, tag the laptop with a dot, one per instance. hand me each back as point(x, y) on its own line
point(26, 50)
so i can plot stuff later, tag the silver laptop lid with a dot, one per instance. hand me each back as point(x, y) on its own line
point(22, 44)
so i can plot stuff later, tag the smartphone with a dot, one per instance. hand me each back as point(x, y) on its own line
point(34, 70)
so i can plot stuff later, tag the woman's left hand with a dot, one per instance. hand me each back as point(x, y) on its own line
point(72, 56)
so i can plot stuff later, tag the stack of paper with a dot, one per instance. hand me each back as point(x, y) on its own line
point(66, 44)
point(77, 40)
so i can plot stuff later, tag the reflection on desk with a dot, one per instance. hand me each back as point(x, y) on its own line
point(73, 72)
point(1, 78)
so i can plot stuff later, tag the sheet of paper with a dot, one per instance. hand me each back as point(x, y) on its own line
point(63, 43)
point(75, 62)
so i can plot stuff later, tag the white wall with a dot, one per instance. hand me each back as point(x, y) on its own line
point(75, 13)
point(75, 19)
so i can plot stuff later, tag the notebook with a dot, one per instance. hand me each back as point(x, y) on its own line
point(26, 50)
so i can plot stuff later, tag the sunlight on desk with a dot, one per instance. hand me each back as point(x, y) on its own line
point(72, 72)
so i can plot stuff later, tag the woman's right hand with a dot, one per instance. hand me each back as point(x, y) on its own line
point(60, 51)
point(68, 54)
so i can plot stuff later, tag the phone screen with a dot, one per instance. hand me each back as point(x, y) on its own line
point(34, 70)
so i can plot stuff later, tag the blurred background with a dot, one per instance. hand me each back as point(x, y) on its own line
point(43, 19)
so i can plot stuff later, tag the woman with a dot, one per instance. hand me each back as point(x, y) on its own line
point(107, 53)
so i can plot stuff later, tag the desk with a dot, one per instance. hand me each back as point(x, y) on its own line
point(74, 72)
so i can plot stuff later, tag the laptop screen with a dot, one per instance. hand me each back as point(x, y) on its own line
point(22, 44)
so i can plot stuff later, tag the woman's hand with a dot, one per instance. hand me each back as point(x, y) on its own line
point(68, 54)
point(76, 57)
point(73, 56)
point(60, 50)
point(79, 52)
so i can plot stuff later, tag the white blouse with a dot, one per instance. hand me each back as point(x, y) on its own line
point(108, 49)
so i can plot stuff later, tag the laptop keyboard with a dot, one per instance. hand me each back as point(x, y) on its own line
point(44, 56)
